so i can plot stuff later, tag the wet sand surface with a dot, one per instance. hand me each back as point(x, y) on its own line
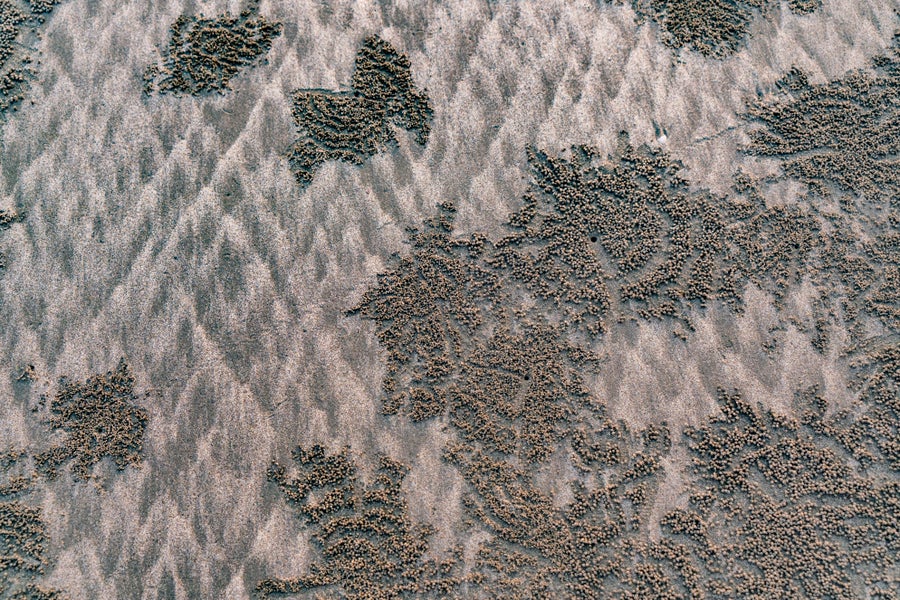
point(506, 410)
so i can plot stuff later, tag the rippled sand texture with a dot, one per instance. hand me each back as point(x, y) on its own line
point(170, 231)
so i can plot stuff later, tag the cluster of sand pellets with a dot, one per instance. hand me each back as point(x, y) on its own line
point(7, 218)
point(23, 535)
point(368, 548)
point(841, 139)
point(597, 542)
point(714, 28)
point(840, 136)
point(352, 126)
point(624, 238)
point(711, 27)
point(776, 504)
point(596, 242)
point(98, 418)
point(857, 278)
point(431, 304)
point(872, 435)
point(19, 23)
point(205, 54)
point(519, 393)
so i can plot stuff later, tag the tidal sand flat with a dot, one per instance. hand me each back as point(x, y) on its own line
point(379, 300)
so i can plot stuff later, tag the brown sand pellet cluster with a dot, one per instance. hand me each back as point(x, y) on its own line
point(18, 20)
point(859, 277)
point(804, 7)
point(714, 28)
point(840, 139)
point(775, 246)
point(491, 334)
point(840, 136)
point(776, 505)
point(596, 241)
point(98, 418)
point(426, 309)
point(352, 126)
point(42, 7)
point(873, 435)
point(11, 77)
point(205, 54)
point(7, 218)
point(23, 536)
point(368, 548)
point(518, 393)
point(594, 543)
point(624, 237)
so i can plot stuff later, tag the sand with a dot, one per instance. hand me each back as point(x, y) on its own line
point(169, 231)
